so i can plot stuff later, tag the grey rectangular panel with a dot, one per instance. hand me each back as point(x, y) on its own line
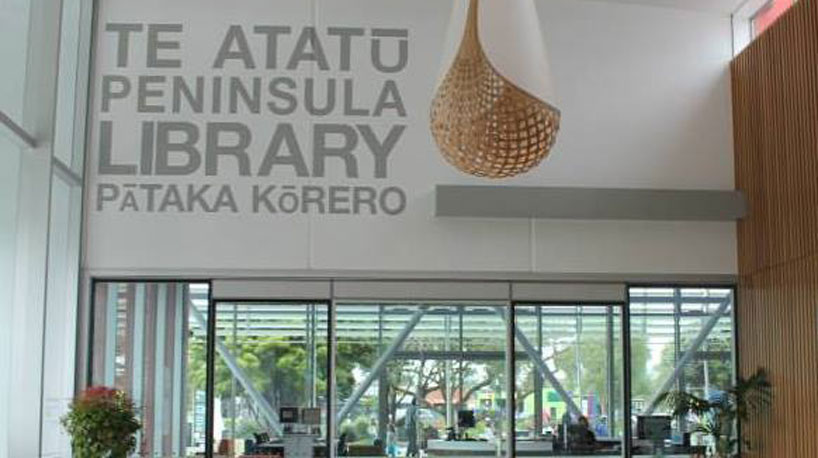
point(589, 203)
point(420, 290)
point(271, 290)
point(601, 293)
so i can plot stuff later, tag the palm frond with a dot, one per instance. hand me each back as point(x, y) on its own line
point(717, 417)
point(682, 403)
point(752, 394)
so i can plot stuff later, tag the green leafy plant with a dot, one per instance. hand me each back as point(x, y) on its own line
point(717, 417)
point(102, 423)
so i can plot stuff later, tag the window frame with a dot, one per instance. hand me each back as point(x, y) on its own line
point(332, 304)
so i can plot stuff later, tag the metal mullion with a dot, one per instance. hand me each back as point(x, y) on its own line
point(538, 378)
point(234, 320)
point(627, 437)
point(511, 405)
point(611, 407)
point(210, 391)
point(331, 361)
point(677, 334)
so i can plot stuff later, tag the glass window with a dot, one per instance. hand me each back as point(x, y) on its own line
point(768, 14)
point(271, 379)
point(411, 375)
point(150, 340)
point(681, 340)
point(422, 378)
point(569, 379)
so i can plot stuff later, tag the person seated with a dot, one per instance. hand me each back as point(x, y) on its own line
point(588, 436)
point(343, 446)
point(581, 437)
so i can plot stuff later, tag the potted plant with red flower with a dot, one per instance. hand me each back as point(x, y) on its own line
point(102, 423)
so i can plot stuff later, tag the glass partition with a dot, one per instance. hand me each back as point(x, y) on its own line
point(411, 378)
point(569, 376)
point(681, 340)
point(421, 379)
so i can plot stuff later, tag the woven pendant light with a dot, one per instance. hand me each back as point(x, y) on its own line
point(492, 120)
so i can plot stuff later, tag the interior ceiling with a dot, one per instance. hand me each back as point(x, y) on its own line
point(713, 6)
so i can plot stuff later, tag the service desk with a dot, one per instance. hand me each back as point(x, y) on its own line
point(441, 448)
point(437, 448)
point(524, 448)
point(292, 445)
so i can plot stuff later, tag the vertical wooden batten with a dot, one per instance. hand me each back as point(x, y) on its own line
point(775, 115)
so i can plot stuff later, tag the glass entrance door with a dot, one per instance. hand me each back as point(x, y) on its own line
point(421, 378)
point(569, 379)
point(271, 379)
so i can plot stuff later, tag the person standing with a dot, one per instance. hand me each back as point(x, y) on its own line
point(412, 429)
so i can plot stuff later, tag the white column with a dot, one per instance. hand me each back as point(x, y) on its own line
point(110, 333)
point(159, 369)
point(178, 372)
point(138, 351)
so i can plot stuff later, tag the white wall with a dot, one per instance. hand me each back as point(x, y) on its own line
point(652, 90)
point(644, 94)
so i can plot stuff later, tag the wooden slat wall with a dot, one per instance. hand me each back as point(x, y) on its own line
point(775, 112)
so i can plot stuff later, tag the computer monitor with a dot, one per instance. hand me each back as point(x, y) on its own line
point(288, 415)
point(654, 427)
point(311, 416)
point(465, 419)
